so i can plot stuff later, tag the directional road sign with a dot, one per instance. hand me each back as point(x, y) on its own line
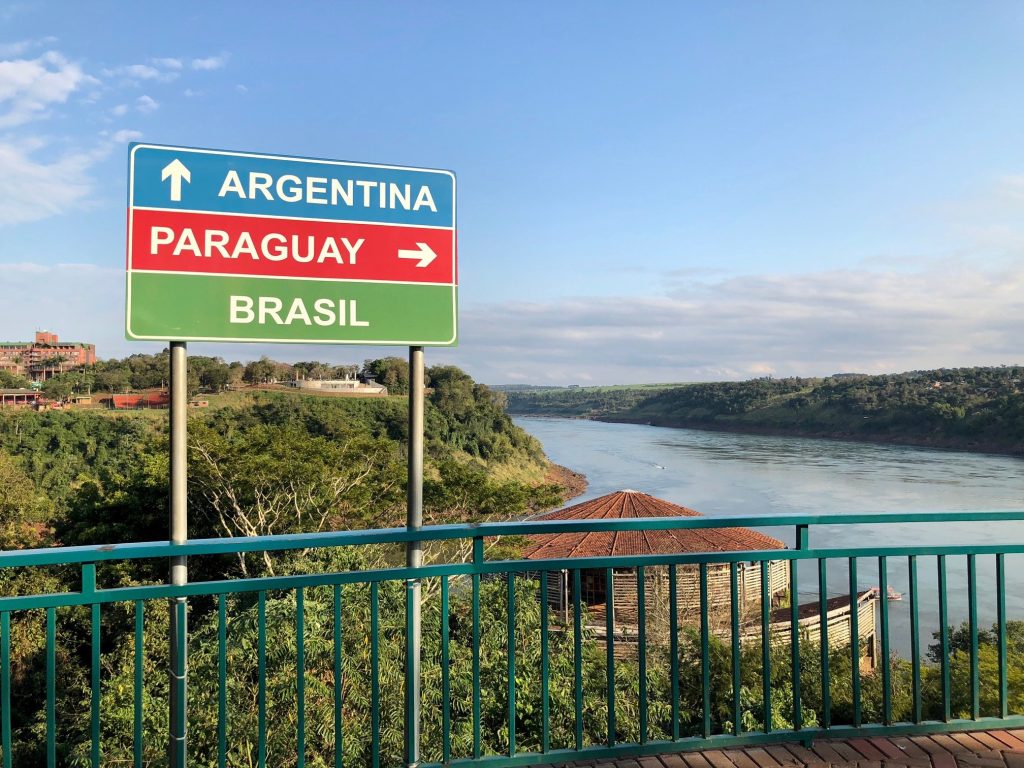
point(237, 246)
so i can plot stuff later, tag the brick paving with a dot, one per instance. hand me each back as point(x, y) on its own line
point(976, 749)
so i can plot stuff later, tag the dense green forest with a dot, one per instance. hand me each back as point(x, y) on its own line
point(965, 408)
point(79, 465)
point(260, 462)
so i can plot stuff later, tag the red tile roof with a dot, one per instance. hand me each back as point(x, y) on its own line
point(141, 399)
point(626, 504)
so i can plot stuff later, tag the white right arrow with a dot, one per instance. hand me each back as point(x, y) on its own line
point(423, 252)
point(176, 171)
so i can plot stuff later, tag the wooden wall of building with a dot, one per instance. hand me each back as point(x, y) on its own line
point(656, 591)
point(656, 594)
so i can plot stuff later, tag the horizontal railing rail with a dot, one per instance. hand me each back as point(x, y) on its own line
point(433, 533)
point(526, 661)
point(486, 568)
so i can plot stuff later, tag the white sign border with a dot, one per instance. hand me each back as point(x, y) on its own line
point(131, 335)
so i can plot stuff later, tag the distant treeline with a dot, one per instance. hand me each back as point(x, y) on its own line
point(578, 402)
point(207, 374)
point(965, 408)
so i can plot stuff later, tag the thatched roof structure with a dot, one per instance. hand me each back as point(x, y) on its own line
point(634, 504)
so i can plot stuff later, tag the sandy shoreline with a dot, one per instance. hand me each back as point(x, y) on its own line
point(574, 483)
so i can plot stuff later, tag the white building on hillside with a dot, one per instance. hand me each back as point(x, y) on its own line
point(349, 386)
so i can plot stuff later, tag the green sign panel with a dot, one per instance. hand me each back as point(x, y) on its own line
point(229, 246)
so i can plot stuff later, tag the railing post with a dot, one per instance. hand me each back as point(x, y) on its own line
point(478, 560)
point(178, 634)
point(802, 537)
point(89, 588)
point(802, 542)
point(414, 558)
point(6, 741)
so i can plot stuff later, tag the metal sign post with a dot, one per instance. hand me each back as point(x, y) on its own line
point(414, 557)
point(178, 668)
point(242, 246)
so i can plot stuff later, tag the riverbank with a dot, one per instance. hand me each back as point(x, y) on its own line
point(574, 483)
point(980, 410)
point(916, 441)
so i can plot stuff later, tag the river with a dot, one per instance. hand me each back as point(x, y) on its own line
point(720, 473)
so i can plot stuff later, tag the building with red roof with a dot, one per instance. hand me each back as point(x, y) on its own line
point(634, 504)
point(139, 400)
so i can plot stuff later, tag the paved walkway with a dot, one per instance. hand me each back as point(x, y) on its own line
point(978, 749)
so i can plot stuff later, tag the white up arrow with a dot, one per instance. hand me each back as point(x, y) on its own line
point(176, 171)
point(423, 252)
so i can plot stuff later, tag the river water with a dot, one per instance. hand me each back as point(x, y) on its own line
point(720, 473)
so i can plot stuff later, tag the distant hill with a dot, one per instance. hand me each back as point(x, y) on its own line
point(521, 387)
point(978, 409)
point(579, 402)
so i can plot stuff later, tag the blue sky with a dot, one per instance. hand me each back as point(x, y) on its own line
point(647, 191)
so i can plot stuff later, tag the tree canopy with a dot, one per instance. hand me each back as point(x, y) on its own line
point(971, 408)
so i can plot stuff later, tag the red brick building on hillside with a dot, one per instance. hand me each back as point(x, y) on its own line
point(45, 356)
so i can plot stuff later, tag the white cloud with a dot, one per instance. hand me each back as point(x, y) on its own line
point(241, 88)
point(43, 174)
point(40, 177)
point(10, 50)
point(28, 87)
point(146, 104)
point(123, 136)
point(810, 324)
point(168, 63)
point(134, 73)
point(21, 47)
point(210, 62)
point(33, 189)
point(140, 71)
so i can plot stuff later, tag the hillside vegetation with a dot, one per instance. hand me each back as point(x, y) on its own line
point(260, 462)
point(578, 402)
point(206, 374)
point(966, 408)
point(291, 461)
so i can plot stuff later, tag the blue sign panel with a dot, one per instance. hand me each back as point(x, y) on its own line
point(174, 178)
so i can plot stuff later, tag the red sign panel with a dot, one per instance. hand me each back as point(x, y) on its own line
point(175, 241)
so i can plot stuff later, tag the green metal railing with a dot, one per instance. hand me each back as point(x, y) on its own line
point(641, 693)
